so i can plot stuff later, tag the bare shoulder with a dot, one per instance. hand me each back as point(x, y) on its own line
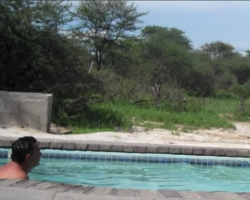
point(10, 172)
point(21, 176)
point(13, 175)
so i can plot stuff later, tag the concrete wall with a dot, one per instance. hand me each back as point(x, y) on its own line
point(26, 110)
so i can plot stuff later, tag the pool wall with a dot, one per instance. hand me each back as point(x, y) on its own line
point(128, 158)
point(134, 148)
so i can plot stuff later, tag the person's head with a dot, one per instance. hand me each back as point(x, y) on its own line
point(26, 151)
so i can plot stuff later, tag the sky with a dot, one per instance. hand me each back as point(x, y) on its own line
point(202, 21)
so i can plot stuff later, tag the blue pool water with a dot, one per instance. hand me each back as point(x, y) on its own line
point(130, 171)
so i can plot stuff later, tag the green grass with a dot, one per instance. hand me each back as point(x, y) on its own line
point(221, 106)
point(216, 113)
point(202, 119)
point(228, 108)
point(83, 130)
point(150, 126)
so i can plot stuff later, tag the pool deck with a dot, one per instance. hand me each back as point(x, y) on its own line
point(40, 190)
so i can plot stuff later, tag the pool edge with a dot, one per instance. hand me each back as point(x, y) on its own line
point(134, 148)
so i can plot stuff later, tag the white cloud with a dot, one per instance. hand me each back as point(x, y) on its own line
point(199, 6)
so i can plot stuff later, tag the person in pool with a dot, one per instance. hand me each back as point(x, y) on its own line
point(25, 156)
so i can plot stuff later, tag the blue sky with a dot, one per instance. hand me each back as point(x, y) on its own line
point(203, 21)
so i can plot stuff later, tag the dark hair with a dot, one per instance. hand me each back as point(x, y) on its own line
point(21, 148)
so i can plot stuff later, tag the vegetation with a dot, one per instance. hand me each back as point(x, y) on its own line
point(105, 77)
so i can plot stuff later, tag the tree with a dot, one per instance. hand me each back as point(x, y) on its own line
point(166, 55)
point(243, 93)
point(55, 15)
point(221, 56)
point(240, 68)
point(37, 58)
point(171, 34)
point(218, 49)
point(123, 56)
point(101, 23)
point(247, 53)
point(200, 79)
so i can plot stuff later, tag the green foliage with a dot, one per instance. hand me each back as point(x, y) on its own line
point(240, 68)
point(124, 57)
point(213, 113)
point(116, 87)
point(94, 117)
point(218, 49)
point(202, 119)
point(103, 22)
point(170, 34)
point(36, 58)
point(54, 15)
point(200, 78)
point(158, 74)
point(223, 94)
point(165, 52)
point(243, 93)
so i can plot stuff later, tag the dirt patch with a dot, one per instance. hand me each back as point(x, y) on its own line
point(238, 138)
point(59, 130)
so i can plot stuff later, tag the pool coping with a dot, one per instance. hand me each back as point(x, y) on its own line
point(6, 142)
point(65, 191)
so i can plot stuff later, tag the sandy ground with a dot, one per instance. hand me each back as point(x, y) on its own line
point(239, 138)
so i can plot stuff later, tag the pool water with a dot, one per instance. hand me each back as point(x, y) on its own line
point(134, 175)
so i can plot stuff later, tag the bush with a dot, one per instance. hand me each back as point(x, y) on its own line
point(94, 116)
point(243, 93)
point(223, 94)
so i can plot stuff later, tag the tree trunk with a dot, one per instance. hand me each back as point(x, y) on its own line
point(91, 65)
point(157, 90)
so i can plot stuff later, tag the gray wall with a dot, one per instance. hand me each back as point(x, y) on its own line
point(26, 110)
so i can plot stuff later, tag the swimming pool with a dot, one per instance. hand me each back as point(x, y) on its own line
point(142, 171)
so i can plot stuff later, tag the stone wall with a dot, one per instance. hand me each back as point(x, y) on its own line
point(26, 110)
